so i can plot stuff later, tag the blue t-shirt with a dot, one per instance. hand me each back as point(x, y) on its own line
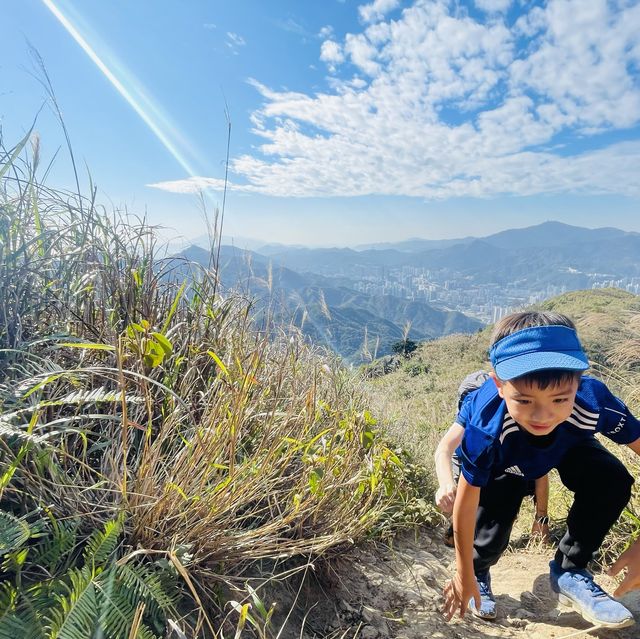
point(494, 444)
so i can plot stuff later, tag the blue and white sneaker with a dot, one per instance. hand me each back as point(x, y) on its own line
point(576, 589)
point(487, 608)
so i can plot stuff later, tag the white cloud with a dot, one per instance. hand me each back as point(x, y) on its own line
point(377, 9)
point(234, 41)
point(198, 184)
point(491, 6)
point(444, 105)
point(362, 53)
point(331, 53)
point(326, 32)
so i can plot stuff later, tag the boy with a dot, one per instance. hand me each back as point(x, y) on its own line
point(538, 413)
point(447, 465)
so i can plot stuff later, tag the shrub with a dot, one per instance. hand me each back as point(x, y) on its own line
point(136, 390)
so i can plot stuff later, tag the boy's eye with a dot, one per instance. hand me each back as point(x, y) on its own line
point(560, 400)
point(523, 401)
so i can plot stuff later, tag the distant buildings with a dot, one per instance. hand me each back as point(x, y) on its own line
point(449, 290)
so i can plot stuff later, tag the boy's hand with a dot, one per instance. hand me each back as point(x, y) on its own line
point(629, 559)
point(540, 531)
point(457, 593)
point(445, 497)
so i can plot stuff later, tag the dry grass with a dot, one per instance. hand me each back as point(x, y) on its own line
point(135, 385)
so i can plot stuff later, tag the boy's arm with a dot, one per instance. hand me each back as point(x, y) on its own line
point(459, 590)
point(630, 558)
point(446, 493)
point(541, 519)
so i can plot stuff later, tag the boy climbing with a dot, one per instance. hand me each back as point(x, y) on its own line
point(536, 413)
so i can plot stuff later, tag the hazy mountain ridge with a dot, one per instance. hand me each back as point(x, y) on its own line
point(331, 315)
point(607, 250)
point(484, 277)
point(339, 295)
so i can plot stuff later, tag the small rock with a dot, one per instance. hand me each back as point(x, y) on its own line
point(517, 623)
point(523, 613)
point(346, 606)
point(369, 632)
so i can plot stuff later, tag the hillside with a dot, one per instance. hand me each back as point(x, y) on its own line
point(418, 404)
point(327, 310)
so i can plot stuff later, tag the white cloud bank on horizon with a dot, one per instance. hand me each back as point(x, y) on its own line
point(436, 104)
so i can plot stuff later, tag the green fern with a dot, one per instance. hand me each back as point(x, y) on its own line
point(75, 615)
point(14, 532)
point(149, 585)
point(95, 598)
point(13, 626)
point(55, 549)
point(8, 598)
point(117, 611)
point(103, 543)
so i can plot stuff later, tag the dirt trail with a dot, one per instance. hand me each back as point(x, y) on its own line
point(396, 593)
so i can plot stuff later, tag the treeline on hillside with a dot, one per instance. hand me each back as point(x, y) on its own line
point(157, 449)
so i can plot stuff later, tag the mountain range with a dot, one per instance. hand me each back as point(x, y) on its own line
point(353, 324)
point(360, 301)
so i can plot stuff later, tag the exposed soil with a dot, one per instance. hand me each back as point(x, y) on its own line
point(383, 592)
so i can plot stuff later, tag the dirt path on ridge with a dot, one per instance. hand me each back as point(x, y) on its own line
point(396, 593)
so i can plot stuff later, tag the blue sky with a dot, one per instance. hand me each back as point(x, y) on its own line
point(351, 122)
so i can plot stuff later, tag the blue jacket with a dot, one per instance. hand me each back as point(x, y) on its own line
point(494, 444)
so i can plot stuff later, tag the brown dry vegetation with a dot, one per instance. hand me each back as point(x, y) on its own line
point(158, 444)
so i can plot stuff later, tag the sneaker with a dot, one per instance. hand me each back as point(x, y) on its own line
point(487, 608)
point(576, 589)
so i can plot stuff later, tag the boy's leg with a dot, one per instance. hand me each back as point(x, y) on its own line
point(498, 508)
point(499, 504)
point(602, 488)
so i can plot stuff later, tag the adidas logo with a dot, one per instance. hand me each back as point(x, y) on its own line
point(514, 470)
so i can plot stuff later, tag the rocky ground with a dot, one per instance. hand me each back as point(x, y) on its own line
point(382, 592)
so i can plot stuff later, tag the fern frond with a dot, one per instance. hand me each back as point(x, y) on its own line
point(57, 545)
point(102, 543)
point(8, 598)
point(150, 586)
point(76, 614)
point(13, 626)
point(14, 532)
point(23, 623)
point(118, 609)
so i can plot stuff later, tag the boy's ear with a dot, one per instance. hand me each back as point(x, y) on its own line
point(498, 382)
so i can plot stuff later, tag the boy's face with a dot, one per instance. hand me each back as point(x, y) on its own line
point(538, 411)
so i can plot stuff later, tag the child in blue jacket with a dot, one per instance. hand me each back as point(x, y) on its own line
point(538, 412)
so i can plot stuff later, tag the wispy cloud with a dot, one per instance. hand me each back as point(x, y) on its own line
point(377, 9)
point(234, 41)
point(438, 104)
point(293, 26)
point(493, 5)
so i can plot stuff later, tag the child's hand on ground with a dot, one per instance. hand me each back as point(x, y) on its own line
point(445, 496)
point(629, 559)
point(541, 531)
point(457, 593)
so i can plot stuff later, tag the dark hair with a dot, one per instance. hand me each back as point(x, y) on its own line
point(528, 319)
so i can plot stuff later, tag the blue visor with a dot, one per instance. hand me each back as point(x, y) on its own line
point(538, 348)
